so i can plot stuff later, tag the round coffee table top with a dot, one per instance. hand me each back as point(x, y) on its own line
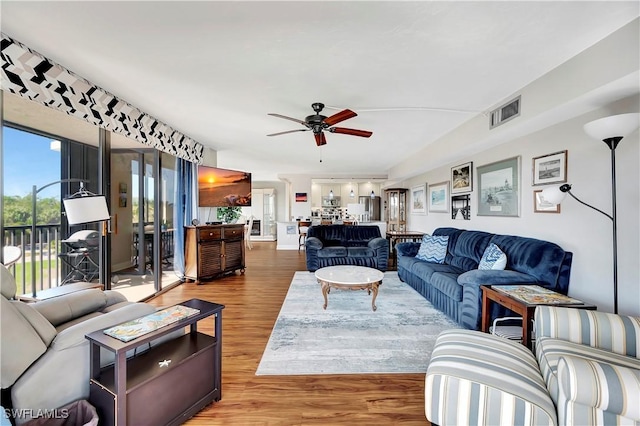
point(348, 274)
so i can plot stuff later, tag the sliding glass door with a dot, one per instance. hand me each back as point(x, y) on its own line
point(143, 246)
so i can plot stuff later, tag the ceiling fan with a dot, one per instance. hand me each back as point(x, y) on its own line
point(319, 123)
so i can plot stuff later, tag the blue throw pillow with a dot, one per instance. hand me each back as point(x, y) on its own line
point(433, 248)
point(493, 258)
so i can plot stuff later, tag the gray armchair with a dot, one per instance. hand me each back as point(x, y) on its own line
point(43, 353)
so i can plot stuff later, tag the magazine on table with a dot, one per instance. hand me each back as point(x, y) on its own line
point(536, 295)
point(140, 326)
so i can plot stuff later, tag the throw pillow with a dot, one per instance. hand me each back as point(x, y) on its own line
point(433, 248)
point(493, 258)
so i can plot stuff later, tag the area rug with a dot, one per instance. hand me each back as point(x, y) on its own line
point(349, 337)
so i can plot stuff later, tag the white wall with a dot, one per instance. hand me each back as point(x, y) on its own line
point(586, 233)
point(298, 183)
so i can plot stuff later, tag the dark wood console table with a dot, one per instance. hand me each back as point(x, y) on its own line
point(396, 237)
point(213, 250)
point(165, 384)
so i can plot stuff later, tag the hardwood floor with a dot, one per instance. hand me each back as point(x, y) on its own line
point(252, 303)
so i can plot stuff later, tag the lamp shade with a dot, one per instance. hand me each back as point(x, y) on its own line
point(553, 195)
point(86, 209)
point(614, 126)
point(355, 209)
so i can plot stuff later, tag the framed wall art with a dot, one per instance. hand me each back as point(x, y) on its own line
point(301, 197)
point(499, 185)
point(550, 168)
point(461, 207)
point(462, 178)
point(540, 205)
point(418, 199)
point(439, 197)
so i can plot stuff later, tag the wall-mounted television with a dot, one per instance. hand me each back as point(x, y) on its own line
point(223, 188)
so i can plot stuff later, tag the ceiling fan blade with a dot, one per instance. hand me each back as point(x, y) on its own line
point(320, 139)
point(353, 132)
point(288, 118)
point(341, 116)
point(288, 131)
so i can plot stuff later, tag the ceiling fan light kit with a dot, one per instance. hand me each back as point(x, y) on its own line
point(319, 123)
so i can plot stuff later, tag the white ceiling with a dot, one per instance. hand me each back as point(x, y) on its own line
point(213, 70)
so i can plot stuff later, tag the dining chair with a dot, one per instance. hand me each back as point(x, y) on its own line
point(247, 233)
point(303, 227)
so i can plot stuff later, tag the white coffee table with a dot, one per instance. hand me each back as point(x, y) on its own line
point(347, 277)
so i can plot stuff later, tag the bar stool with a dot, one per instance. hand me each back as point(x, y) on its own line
point(303, 227)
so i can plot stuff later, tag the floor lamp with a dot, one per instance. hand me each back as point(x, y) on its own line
point(81, 207)
point(610, 130)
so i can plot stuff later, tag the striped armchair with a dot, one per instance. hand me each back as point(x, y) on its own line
point(586, 371)
point(590, 362)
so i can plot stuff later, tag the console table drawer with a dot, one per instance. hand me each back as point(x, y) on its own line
point(233, 233)
point(209, 234)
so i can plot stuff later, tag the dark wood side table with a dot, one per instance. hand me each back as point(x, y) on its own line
point(396, 237)
point(165, 384)
point(525, 309)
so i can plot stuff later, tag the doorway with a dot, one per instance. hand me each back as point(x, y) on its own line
point(142, 248)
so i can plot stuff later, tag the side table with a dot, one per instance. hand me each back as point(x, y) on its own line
point(396, 237)
point(519, 306)
point(165, 384)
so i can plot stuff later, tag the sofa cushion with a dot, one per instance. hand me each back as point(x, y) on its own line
point(26, 345)
point(549, 351)
point(59, 310)
point(588, 388)
point(360, 235)
point(433, 248)
point(360, 252)
point(541, 259)
point(468, 249)
point(493, 258)
point(424, 270)
point(333, 251)
point(480, 277)
point(447, 283)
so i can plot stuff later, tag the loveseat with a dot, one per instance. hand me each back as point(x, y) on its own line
point(453, 286)
point(586, 371)
point(44, 352)
point(360, 245)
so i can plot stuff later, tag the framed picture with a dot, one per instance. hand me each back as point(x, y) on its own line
point(499, 185)
point(301, 197)
point(439, 197)
point(550, 168)
point(462, 178)
point(540, 205)
point(418, 200)
point(460, 207)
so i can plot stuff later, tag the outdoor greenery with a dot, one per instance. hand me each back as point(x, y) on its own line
point(17, 210)
point(46, 265)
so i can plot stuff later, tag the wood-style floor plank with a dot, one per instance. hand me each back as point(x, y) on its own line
point(252, 303)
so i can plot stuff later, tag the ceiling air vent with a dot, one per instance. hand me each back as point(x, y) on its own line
point(504, 113)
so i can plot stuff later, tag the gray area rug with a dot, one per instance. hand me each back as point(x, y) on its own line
point(348, 337)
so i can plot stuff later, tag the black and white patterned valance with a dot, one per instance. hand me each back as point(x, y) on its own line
point(28, 74)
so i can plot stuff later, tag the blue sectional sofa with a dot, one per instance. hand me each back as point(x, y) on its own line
point(360, 245)
point(454, 286)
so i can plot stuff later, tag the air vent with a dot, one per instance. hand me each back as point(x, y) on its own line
point(504, 113)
